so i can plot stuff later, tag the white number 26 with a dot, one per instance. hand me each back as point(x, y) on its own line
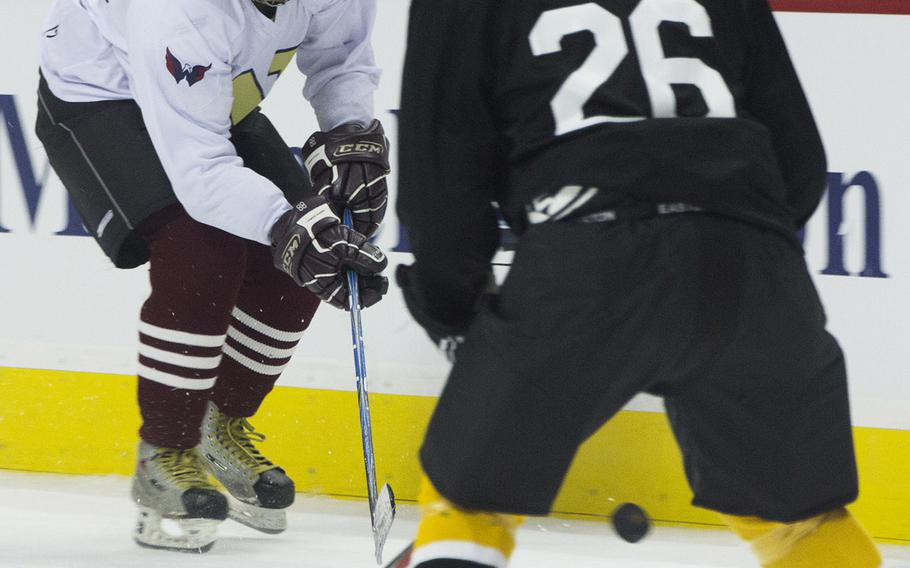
point(659, 71)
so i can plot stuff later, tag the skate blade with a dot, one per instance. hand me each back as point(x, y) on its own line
point(187, 535)
point(268, 521)
point(383, 517)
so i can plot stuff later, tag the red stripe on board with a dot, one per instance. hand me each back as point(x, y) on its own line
point(843, 6)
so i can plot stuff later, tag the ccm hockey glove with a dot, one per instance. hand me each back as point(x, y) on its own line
point(348, 166)
point(311, 245)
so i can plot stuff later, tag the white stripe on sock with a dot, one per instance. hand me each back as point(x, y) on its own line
point(255, 366)
point(264, 329)
point(258, 346)
point(175, 381)
point(183, 337)
point(459, 550)
point(179, 359)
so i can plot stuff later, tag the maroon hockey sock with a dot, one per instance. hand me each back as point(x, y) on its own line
point(271, 314)
point(196, 273)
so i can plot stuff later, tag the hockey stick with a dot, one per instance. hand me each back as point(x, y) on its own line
point(382, 502)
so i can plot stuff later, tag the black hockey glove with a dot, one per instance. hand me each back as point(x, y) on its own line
point(348, 166)
point(311, 244)
point(446, 337)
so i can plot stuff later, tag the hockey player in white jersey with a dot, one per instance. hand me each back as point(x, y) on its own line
point(148, 110)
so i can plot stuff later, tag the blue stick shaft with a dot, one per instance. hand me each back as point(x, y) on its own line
point(360, 368)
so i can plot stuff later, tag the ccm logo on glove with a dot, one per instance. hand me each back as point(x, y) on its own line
point(359, 148)
point(289, 251)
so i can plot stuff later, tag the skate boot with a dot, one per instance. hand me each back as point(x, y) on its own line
point(259, 490)
point(171, 486)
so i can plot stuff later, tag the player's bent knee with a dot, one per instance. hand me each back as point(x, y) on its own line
point(832, 540)
point(447, 532)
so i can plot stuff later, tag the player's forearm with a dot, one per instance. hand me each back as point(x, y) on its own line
point(232, 198)
point(453, 247)
point(776, 98)
point(337, 59)
point(797, 142)
point(346, 99)
point(449, 161)
point(807, 185)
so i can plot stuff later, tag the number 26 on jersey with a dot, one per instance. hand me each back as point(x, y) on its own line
point(611, 47)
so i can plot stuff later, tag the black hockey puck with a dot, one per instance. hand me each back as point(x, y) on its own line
point(631, 522)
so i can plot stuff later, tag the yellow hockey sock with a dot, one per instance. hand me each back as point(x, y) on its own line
point(447, 531)
point(832, 540)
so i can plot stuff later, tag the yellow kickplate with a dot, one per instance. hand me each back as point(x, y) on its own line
point(86, 423)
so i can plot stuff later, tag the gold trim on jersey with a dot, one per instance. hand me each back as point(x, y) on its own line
point(248, 92)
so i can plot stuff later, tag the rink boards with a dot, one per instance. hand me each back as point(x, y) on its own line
point(65, 308)
point(86, 423)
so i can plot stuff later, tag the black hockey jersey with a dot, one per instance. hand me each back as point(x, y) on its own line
point(656, 101)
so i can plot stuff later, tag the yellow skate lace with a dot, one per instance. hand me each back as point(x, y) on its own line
point(241, 435)
point(184, 468)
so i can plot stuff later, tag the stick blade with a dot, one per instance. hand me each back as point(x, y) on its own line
point(383, 517)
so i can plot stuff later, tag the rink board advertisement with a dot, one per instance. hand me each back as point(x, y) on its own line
point(68, 317)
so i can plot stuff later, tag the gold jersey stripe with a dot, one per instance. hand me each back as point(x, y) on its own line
point(248, 91)
point(247, 95)
point(282, 60)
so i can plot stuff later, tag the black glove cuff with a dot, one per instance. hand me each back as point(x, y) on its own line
point(437, 330)
point(295, 230)
point(346, 143)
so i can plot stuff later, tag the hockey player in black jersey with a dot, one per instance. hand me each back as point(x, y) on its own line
point(657, 158)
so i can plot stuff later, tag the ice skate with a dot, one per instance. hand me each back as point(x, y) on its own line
point(259, 490)
point(171, 487)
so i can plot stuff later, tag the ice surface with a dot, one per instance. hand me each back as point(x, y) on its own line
point(86, 522)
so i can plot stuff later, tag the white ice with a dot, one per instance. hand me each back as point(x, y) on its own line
point(85, 522)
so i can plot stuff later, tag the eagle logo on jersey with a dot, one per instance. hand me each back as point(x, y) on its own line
point(192, 74)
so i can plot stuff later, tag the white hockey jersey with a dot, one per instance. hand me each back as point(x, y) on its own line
point(195, 67)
